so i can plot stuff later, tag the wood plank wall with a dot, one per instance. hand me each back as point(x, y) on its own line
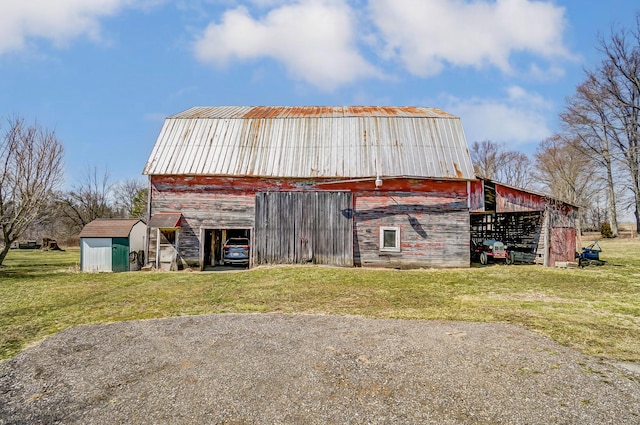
point(304, 227)
point(434, 229)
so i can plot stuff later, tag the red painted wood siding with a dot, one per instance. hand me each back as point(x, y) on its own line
point(562, 245)
point(200, 184)
point(513, 200)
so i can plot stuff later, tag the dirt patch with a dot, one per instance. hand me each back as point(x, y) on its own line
point(307, 369)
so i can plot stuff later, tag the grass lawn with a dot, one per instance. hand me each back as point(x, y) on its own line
point(595, 309)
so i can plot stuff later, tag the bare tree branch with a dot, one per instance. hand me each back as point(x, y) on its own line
point(493, 161)
point(30, 171)
point(129, 194)
point(589, 120)
point(618, 78)
point(88, 199)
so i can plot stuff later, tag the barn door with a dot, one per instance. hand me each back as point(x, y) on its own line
point(304, 227)
point(563, 245)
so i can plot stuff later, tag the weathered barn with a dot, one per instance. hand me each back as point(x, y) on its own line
point(363, 186)
point(106, 245)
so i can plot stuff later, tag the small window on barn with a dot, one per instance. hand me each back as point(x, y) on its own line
point(390, 239)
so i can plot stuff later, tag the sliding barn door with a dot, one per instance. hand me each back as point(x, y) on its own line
point(304, 227)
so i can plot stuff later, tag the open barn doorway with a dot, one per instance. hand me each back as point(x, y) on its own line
point(519, 232)
point(213, 246)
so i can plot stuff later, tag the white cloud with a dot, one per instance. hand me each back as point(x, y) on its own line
point(58, 21)
point(426, 35)
point(271, 3)
point(314, 39)
point(546, 74)
point(517, 119)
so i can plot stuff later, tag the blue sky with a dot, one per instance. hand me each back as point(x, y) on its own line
point(105, 73)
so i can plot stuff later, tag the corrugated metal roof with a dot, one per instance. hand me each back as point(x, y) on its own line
point(108, 228)
point(304, 142)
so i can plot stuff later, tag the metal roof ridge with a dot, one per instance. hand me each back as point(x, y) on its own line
point(311, 111)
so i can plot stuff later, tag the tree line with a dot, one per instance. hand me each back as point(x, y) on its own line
point(593, 161)
point(33, 206)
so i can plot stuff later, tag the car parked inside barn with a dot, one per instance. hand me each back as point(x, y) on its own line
point(236, 252)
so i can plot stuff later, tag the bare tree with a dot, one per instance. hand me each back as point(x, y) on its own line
point(130, 196)
point(484, 156)
point(588, 119)
point(618, 77)
point(495, 162)
point(564, 171)
point(30, 170)
point(594, 215)
point(88, 200)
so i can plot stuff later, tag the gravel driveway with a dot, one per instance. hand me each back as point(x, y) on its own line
point(307, 369)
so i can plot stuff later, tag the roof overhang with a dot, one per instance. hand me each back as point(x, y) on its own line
point(165, 220)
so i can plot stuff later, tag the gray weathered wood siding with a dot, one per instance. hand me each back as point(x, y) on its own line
point(304, 227)
point(338, 226)
point(434, 230)
point(202, 208)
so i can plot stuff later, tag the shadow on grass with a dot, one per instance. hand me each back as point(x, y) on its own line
point(30, 272)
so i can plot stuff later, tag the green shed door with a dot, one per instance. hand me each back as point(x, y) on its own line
point(120, 255)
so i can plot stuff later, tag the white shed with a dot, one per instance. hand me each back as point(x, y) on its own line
point(112, 245)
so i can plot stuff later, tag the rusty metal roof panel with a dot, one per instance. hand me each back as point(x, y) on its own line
point(231, 112)
point(304, 142)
